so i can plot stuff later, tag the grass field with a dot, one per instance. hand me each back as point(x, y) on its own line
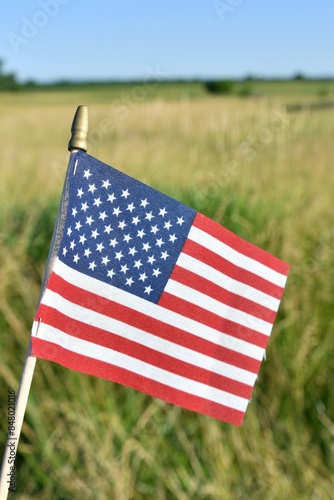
point(264, 174)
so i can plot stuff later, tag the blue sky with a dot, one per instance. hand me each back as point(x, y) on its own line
point(48, 40)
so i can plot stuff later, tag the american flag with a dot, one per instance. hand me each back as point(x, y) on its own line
point(145, 291)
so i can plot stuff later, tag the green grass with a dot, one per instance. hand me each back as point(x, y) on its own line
point(88, 438)
point(293, 90)
point(96, 94)
point(133, 92)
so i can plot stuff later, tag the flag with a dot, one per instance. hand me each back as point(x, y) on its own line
point(146, 292)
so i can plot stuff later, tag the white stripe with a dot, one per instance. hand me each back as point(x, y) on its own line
point(129, 332)
point(200, 299)
point(237, 258)
point(138, 367)
point(155, 311)
point(248, 292)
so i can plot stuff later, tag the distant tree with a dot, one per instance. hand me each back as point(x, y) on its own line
point(299, 76)
point(8, 81)
point(219, 86)
point(249, 78)
point(30, 84)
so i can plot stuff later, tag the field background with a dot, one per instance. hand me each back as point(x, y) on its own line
point(266, 175)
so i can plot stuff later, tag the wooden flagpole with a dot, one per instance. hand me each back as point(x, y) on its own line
point(79, 133)
point(8, 474)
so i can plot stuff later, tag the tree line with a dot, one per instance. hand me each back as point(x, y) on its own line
point(8, 81)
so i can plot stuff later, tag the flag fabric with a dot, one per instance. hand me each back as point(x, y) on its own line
point(146, 292)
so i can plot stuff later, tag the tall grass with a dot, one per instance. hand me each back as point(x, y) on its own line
point(270, 180)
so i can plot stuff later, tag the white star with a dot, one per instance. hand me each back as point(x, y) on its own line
point(168, 225)
point(132, 251)
point(92, 265)
point(143, 277)
point(137, 264)
point(125, 193)
point(76, 258)
point(87, 174)
point(82, 239)
point(105, 260)
point(148, 290)
point(111, 198)
point(159, 242)
point(117, 211)
point(80, 192)
point(89, 220)
point(172, 238)
point(119, 255)
point(111, 273)
point(74, 211)
point(84, 206)
point(64, 251)
point(122, 224)
point(92, 188)
point(146, 247)
point(72, 245)
point(164, 255)
point(78, 225)
point(149, 216)
point(103, 215)
point(151, 259)
point(97, 202)
point(156, 272)
point(99, 247)
point(141, 233)
point(107, 229)
point(69, 231)
point(129, 281)
point(113, 242)
point(87, 252)
point(106, 184)
point(144, 203)
point(180, 221)
point(154, 229)
point(131, 207)
point(135, 220)
point(95, 234)
point(162, 212)
point(124, 269)
point(127, 237)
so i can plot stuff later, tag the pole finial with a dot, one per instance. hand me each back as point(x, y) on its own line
point(79, 129)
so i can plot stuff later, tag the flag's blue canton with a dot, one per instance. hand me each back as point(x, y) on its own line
point(121, 231)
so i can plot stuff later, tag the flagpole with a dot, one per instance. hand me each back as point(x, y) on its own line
point(8, 473)
point(16, 411)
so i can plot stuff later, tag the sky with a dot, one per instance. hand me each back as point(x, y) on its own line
point(48, 40)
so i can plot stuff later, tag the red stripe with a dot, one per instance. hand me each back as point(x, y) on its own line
point(150, 325)
point(117, 343)
point(226, 267)
point(222, 234)
point(84, 364)
point(213, 320)
point(216, 292)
